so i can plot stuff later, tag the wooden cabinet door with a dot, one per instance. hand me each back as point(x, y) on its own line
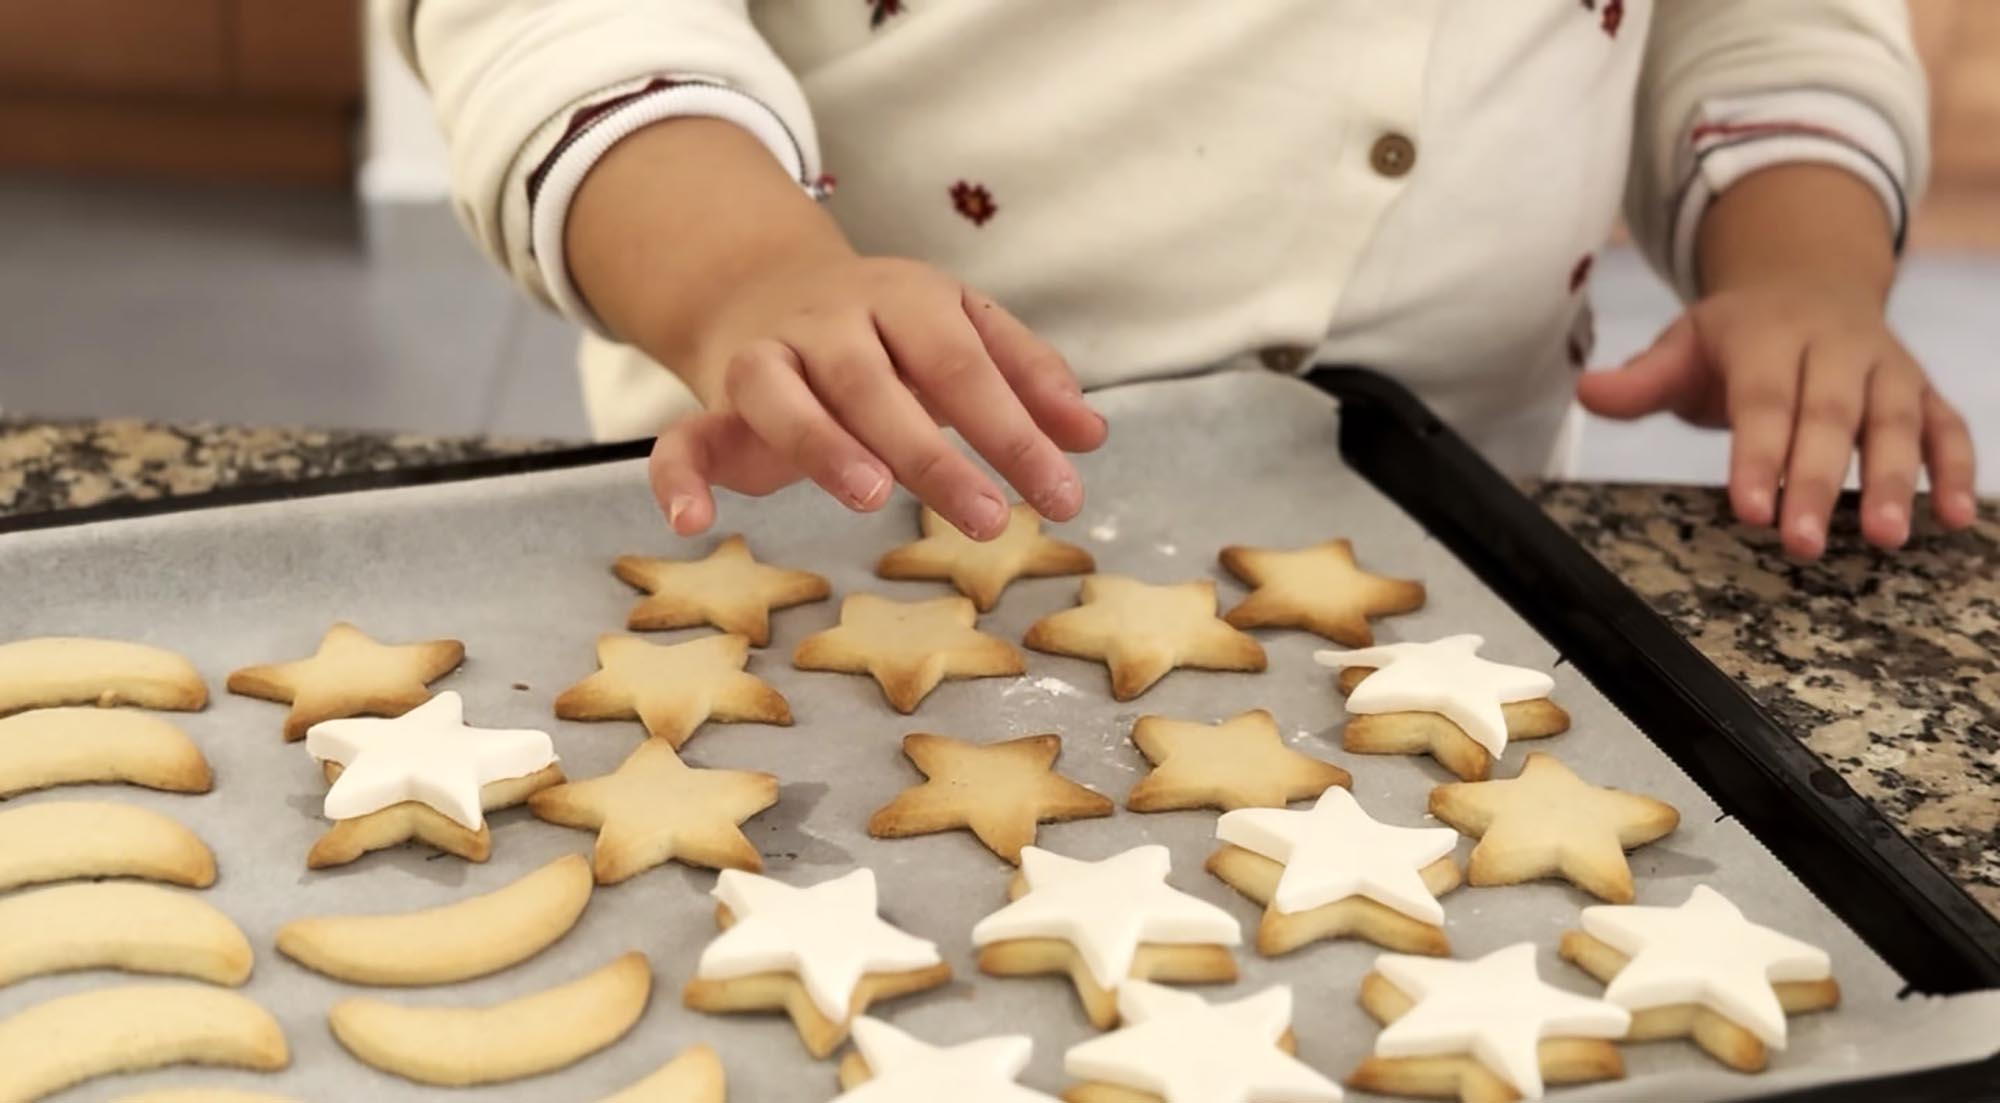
point(114, 46)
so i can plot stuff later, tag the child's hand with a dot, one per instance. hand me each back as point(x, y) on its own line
point(1791, 351)
point(814, 363)
point(1800, 375)
point(842, 369)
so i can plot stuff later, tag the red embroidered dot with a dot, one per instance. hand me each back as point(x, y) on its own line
point(974, 202)
point(1581, 272)
point(882, 10)
point(1614, 17)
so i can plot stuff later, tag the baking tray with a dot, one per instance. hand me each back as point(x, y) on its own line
point(517, 567)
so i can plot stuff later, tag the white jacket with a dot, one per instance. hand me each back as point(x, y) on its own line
point(1413, 185)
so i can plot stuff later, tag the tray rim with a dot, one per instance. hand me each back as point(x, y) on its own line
point(1380, 448)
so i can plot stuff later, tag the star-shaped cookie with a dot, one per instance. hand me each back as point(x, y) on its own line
point(1000, 791)
point(1703, 971)
point(1142, 631)
point(673, 688)
point(1550, 822)
point(1443, 699)
point(1319, 589)
point(908, 647)
point(1240, 763)
point(981, 570)
point(351, 674)
point(1179, 1048)
point(820, 953)
point(729, 589)
point(1104, 923)
point(889, 1066)
point(1491, 1018)
point(1334, 870)
point(423, 776)
point(655, 809)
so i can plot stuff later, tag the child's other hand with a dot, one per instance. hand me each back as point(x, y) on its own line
point(1802, 376)
point(1791, 351)
point(842, 369)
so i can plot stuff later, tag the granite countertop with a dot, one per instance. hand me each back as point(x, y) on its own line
point(1887, 666)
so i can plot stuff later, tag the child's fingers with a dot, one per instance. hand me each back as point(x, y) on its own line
point(713, 449)
point(678, 471)
point(1663, 377)
point(765, 385)
point(1038, 374)
point(947, 366)
point(1890, 456)
point(1832, 396)
point(1948, 453)
point(1762, 379)
point(851, 373)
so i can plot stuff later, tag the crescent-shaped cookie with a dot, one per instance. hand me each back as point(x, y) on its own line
point(695, 1076)
point(60, 840)
point(119, 925)
point(73, 670)
point(472, 938)
point(203, 1095)
point(134, 1027)
point(463, 1046)
point(70, 746)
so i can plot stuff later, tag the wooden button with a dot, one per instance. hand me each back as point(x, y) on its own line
point(1393, 155)
point(1284, 358)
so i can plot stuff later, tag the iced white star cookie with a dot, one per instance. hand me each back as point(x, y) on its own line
point(889, 1066)
point(1104, 923)
point(1704, 972)
point(820, 953)
point(1492, 1026)
point(1441, 698)
point(1179, 1048)
point(1334, 870)
point(424, 774)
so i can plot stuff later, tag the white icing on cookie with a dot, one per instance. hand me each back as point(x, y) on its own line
point(1107, 909)
point(902, 1069)
point(1336, 850)
point(1444, 676)
point(428, 754)
point(1187, 1050)
point(828, 935)
point(1704, 952)
point(1497, 1009)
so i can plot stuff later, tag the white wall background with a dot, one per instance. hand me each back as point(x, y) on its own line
point(404, 159)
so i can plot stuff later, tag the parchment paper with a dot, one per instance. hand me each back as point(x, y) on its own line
point(518, 568)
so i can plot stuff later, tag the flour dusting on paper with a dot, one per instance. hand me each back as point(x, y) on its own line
point(1045, 686)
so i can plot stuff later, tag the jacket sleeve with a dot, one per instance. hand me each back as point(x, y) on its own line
point(1730, 87)
point(530, 93)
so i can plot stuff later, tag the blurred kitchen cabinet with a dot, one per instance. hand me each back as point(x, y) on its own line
point(1960, 42)
point(254, 90)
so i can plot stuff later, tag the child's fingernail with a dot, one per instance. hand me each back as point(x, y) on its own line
point(1757, 503)
point(676, 507)
point(1810, 532)
point(1896, 517)
point(1965, 505)
point(986, 513)
point(861, 483)
point(1062, 498)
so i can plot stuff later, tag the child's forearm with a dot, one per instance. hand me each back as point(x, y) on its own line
point(674, 220)
point(1798, 223)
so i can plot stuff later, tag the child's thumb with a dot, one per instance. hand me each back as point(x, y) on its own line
point(1660, 378)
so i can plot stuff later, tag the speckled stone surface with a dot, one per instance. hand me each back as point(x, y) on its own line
point(1887, 666)
point(47, 465)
